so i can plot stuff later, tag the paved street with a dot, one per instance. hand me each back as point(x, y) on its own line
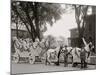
point(28, 68)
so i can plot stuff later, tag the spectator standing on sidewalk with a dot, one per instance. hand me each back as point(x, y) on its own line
point(83, 58)
point(65, 56)
point(59, 55)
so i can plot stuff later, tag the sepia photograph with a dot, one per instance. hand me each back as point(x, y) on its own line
point(52, 37)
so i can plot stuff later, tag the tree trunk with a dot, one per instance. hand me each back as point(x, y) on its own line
point(36, 13)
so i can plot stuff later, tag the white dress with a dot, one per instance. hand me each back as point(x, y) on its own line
point(76, 55)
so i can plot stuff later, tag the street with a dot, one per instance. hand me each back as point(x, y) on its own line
point(36, 68)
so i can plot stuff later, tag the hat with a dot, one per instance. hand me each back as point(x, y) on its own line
point(65, 45)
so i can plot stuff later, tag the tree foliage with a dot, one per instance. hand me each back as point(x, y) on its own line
point(35, 16)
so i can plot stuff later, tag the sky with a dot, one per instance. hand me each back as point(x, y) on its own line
point(62, 26)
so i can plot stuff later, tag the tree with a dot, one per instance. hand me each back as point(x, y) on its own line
point(14, 19)
point(35, 16)
point(81, 12)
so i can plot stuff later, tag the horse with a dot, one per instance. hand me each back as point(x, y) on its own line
point(51, 55)
point(56, 54)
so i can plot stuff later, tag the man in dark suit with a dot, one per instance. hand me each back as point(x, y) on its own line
point(65, 56)
point(83, 57)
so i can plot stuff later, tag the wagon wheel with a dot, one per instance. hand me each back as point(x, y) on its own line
point(16, 58)
point(31, 59)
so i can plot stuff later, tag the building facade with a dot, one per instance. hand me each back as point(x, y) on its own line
point(73, 39)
